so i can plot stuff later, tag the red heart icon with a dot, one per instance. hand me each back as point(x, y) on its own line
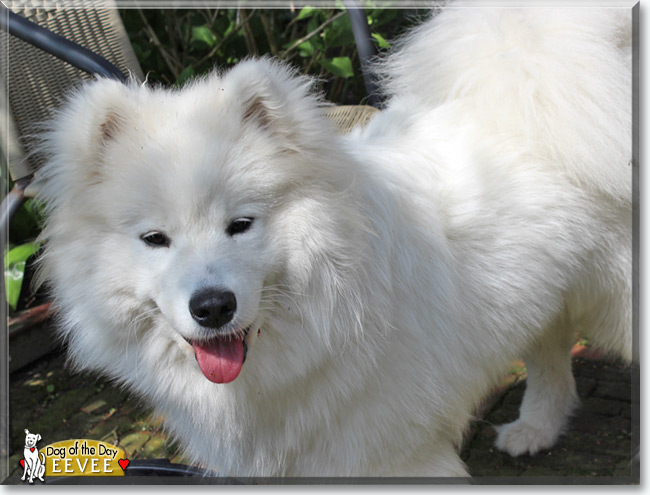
point(32, 449)
point(123, 463)
point(22, 463)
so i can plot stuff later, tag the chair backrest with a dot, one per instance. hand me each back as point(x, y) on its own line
point(37, 82)
point(348, 117)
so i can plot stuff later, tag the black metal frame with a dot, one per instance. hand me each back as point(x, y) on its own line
point(366, 48)
point(54, 44)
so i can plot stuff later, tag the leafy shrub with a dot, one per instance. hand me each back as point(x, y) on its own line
point(176, 45)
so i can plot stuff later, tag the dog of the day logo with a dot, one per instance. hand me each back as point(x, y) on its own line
point(33, 461)
point(78, 457)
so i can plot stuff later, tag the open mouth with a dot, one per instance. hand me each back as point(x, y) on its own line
point(221, 358)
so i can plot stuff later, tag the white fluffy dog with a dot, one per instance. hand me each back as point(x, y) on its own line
point(299, 303)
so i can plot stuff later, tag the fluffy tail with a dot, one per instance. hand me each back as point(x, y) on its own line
point(559, 78)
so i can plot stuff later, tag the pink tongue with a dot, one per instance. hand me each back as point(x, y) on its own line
point(220, 360)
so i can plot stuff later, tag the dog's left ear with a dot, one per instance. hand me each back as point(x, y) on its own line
point(38, 437)
point(275, 98)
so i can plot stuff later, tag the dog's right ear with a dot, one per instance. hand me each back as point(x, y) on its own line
point(94, 116)
point(26, 431)
point(110, 127)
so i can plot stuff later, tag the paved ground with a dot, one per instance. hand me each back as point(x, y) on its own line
point(600, 440)
point(47, 398)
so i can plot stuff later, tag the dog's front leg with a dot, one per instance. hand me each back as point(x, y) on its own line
point(30, 470)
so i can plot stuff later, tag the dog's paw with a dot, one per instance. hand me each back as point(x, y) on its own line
point(519, 438)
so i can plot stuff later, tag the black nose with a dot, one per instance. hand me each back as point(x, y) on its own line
point(213, 307)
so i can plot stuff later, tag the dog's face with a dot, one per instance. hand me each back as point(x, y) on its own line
point(31, 439)
point(197, 215)
point(202, 236)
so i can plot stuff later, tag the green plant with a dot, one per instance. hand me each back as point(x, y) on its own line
point(174, 46)
point(25, 227)
point(15, 262)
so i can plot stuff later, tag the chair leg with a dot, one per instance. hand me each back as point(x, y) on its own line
point(8, 208)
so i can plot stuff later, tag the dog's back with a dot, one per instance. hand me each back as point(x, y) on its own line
point(558, 79)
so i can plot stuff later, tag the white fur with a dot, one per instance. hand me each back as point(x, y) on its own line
point(393, 273)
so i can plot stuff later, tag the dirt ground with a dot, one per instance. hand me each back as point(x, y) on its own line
point(599, 446)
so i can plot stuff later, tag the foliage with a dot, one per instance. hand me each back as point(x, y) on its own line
point(24, 228)
point(174, 46)
point(15, 261)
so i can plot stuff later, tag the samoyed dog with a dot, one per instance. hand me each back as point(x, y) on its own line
point(297, 302)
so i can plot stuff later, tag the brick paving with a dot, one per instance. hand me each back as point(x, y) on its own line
point(599, 445)
point(601, 441)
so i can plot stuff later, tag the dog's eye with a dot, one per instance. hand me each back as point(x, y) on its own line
point(239, 226)
point(156, 239)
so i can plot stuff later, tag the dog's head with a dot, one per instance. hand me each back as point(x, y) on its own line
point(31, 439)
point(190, 221)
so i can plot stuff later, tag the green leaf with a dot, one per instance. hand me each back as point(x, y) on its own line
point(13, 283)
point(380, 17)
point(306, 49)
point(36, 209)
point(21, 253)
point(203, 34)
point(339, 33)
point(381, 41)
point(28, 222)
point(339, 66)
point(185, 75)
point(15, 261)
point(223, 25)
point(306, 12)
